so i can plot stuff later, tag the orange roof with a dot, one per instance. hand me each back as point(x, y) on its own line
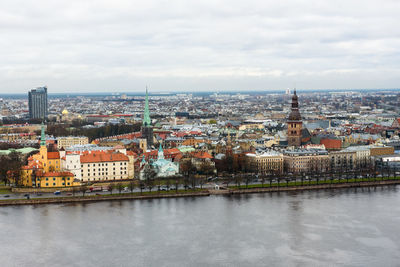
point(167, 152)
point(53, 155)
point(32, 165)
point(103, 157)
point(201, 155)
point(131, 153)
point(55, 174)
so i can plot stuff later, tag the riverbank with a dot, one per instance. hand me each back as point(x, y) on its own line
point(95, 198)
point(200, 193)
point(283, 188)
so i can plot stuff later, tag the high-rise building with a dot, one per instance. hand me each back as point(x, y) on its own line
point(38, 103)
point(294, 123)
point(147, 129)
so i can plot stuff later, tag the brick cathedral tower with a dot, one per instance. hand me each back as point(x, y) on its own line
point(294, 123)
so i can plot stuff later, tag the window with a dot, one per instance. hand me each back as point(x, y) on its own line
point(47, 184)
point(68, 178)
point(54, 178)
point(68, 183)
point(63, 183)
point(54, 184)
point(47, 179)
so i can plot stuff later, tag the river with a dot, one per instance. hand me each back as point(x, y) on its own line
point(349, 227)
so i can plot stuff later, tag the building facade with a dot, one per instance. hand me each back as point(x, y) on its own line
point(270, 162)
point(306, 161)
point(67, 141)
point(342, 161)
point(38, 107)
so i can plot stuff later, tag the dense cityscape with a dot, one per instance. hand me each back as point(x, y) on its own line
point(200, 133)
point(84, 143)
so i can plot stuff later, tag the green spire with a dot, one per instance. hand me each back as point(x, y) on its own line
point(43, 137)
point(160, 152)
point(146, 116)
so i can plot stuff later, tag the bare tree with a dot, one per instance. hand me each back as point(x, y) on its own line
point(120, 187)
point(238, 179)
point(74, 190)
point(132, 185)
point(83, 189)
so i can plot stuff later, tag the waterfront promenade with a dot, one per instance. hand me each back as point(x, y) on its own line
point(233, 190)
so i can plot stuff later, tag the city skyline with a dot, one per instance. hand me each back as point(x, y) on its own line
point(203, 46)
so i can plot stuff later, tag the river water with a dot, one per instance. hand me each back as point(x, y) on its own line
point(348, 227)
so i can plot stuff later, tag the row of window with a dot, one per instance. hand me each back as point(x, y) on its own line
point(54, 184)
point(106, 164)
point(102, 169)
point(94, 174)
point(54, 178)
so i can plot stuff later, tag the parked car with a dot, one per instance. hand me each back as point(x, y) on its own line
point(6, 195)
point(57, 193)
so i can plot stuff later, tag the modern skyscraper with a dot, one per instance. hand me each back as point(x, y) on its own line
point(294, 123)
point(38, 103)
point(147, 129)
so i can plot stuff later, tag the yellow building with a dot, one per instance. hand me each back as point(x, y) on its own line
point(44, 169)
point(55, 179)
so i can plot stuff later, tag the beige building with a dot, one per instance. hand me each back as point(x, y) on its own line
point(99, 165)
point(306, 160)
point(343, 160)
point(250, 126)
point(67, 141)
point(266, 162)
point(363, 155)
point(376, 150)
point(103, 166)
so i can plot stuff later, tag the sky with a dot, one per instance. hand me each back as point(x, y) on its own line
point(207, 45)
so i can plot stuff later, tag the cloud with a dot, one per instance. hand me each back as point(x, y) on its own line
point(198, 45)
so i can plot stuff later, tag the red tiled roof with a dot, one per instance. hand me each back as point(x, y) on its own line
point(103, 157)
point(53, 155)
point(201, 155)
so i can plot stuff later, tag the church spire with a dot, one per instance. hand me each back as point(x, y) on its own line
point(146, 115)
point(43, 137)
point(160, 152)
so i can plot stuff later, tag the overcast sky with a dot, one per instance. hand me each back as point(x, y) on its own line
point(113, 45)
